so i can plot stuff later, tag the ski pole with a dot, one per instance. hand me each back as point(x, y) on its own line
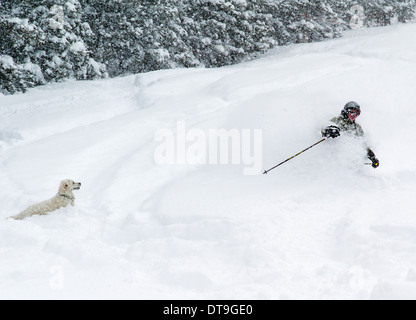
point(267, 171)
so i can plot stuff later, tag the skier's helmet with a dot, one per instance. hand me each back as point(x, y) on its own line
point(351, 108)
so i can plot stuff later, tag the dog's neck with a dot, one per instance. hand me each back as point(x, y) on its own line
point(66, 196)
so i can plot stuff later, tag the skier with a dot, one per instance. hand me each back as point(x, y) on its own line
point(346, 123)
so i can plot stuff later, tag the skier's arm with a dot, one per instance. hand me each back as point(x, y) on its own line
point(370, 154)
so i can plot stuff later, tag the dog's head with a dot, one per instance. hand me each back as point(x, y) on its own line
point(68, 185)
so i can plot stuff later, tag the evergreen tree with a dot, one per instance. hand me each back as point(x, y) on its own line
point(42, 41)
point(405, 10)
point(164, 35)
point(52, 40)
point(226, 32)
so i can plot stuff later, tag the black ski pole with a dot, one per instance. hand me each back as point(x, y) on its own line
point(267, 171)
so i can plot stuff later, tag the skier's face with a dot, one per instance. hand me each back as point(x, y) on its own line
point(353, 114)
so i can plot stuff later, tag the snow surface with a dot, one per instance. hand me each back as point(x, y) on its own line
point(322, 226)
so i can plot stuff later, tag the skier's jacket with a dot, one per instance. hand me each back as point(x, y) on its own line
point(344, 124)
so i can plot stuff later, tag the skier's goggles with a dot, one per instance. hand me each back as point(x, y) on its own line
point(355, 111)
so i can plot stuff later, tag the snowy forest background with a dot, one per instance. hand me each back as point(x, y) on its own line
point(53, 40)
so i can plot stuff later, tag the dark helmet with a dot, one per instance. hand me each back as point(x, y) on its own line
point(350, 106)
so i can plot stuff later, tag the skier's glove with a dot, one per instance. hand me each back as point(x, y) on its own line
point(375, 162)
point(331, 132)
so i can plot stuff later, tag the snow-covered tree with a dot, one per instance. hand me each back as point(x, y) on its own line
point(405, 10)
point(52, 40)
point(43, 41)
point(310, 20)
point(18, 40)
point(225, 32)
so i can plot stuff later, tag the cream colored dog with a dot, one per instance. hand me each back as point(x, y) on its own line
point(63, 198)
